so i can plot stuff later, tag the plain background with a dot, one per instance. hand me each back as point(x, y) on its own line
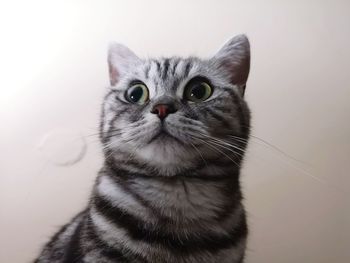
point(53, 76)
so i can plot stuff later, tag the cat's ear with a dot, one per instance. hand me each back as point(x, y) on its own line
point(234, 58)
point(120, 60)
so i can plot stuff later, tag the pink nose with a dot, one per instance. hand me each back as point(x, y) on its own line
point(163, 110)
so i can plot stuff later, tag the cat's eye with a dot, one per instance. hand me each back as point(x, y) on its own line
point(137, 93)
point(197, 91)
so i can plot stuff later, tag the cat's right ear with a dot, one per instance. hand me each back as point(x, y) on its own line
point(120, 60)
point(234, 59)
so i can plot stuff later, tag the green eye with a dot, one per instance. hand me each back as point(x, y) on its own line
point(198, 91)
point(137, 93)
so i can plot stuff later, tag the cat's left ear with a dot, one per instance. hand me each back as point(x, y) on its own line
point(234, 59)
point(120, 60)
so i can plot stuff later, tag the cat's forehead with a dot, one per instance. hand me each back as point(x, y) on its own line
point(165, 75)
point(166, 68)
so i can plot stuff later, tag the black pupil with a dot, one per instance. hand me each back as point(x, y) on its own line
point(198, 91)
point(136, 94)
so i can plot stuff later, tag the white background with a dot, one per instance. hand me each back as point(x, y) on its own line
point(53, 75)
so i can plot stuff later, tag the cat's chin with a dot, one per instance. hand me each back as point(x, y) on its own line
point(166, 154)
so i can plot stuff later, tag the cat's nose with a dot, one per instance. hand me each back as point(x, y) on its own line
point(163, 110)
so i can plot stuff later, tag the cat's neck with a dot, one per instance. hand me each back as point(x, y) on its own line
point(210, 192)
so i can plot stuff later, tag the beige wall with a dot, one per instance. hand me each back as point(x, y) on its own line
point(53, 74)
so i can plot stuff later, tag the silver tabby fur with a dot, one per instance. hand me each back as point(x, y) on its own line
point(166, 197)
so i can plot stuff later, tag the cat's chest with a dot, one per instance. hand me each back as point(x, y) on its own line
point(168, 219)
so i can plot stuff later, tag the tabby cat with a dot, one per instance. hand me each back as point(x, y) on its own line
point(174, 131)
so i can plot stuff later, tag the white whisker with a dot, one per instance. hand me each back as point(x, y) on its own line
point(225, 143)
point(199, 153)
point(218, 150)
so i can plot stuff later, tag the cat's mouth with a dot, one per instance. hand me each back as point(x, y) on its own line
point(162, 136)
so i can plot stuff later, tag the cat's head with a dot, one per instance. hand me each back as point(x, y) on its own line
point(172, 113)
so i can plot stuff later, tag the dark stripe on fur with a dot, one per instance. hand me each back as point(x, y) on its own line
point(102, 116)
point(191, 243)
point(187, 69)
point(219, 118)
point(73, 249)
point(242, 110)
point(124, 183)
point(49, 247)
point(166, 64)
point(176, 62)
point(50, 250)
point(158, 66)
point(231, 191)
point(175, 84)
point(109, 252)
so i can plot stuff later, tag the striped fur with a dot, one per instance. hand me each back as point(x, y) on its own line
point(174, 197)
